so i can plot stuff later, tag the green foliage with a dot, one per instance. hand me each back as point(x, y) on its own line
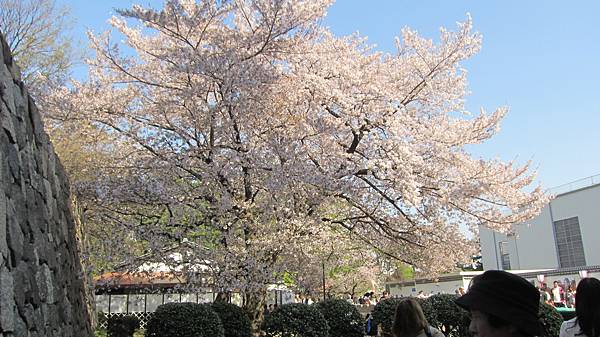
point(428, 310)
point(448, 317)
point(289, 278)
point(122, 326)
point(343, 318)
point(235, 321)
point(551, 319)
point(296, 320)
point(184, 320)
point(383, 314)
point(99, 332)
point(404, 271)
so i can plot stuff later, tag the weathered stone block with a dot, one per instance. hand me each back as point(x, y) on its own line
point(7, 301)
point(3, 227)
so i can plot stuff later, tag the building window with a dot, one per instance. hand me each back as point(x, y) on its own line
point(504, 255)
point(569, 243)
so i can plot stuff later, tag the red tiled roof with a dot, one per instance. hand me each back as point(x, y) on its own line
point(137, 279)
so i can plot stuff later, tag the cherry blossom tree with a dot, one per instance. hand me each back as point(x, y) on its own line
point(255, 130)
point(343, 265)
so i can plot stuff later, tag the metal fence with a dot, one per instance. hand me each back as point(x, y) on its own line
point(575, 185)
point(143, 317)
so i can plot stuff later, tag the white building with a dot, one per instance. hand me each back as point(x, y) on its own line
point(566, 234)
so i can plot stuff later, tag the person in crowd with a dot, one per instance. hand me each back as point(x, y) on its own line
point(587, 320)
point(349, 298)
point(370, 328)
point(409, 321)
point(545, 294)
point(571, 291)
point(502, 305)
point(373, 298)
point(384, 295)
point(422, 295)
point(558, 295)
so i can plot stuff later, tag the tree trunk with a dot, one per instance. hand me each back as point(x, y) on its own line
point(222, 296)
point(254, 303)
point(82, 247)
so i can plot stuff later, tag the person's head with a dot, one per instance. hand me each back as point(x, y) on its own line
point(409, 319)
point(587, 299)
point(555, 284)
point(502, 305)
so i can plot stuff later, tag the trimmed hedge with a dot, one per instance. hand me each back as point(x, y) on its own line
point(184, 320)
point(440, 311)
point(552, 320)
point(343, 318)
point(448, 317)
point(428, 310)
point(235, 321)
point(122, 326)
point(296, 320)
point(383, 315)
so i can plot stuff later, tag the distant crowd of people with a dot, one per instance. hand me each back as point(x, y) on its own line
point(562, 294)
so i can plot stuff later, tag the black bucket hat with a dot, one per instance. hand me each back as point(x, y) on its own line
point(507, 296)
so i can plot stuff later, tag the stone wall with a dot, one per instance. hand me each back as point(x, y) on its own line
point(41, 287)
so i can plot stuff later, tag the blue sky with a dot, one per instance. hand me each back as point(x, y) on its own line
point(540, 58)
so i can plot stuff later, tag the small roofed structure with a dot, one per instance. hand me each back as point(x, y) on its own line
point(135, 282)
point(140, 290)
point(139, 293)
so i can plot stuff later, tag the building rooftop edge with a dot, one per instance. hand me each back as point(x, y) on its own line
point(530, 273)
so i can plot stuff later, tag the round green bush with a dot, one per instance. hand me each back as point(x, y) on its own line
point(296, 320)
point(235, 321)
point(449, 318)
point(383, 315)
point(184, 320)
point(343, 318)
point(428, 310)
point(122, 326)
point(551, 319)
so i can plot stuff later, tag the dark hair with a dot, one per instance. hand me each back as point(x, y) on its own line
point(497, 322)
point(409, 319)
point(587, 306)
